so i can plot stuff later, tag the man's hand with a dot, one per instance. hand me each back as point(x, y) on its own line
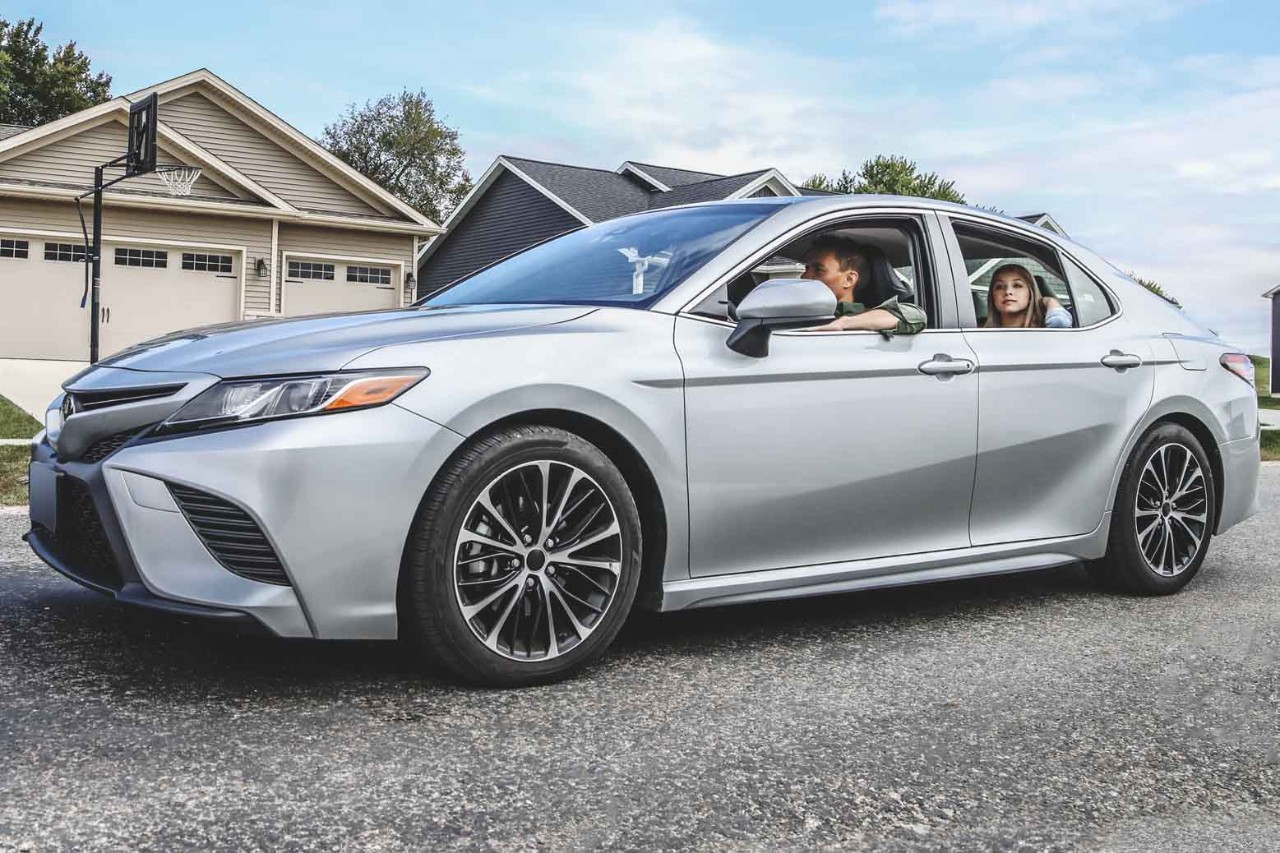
point(875, 320)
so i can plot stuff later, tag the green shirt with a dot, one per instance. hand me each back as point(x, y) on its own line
point(911, 318)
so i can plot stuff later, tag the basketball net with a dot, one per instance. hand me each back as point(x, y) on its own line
point(178, 180)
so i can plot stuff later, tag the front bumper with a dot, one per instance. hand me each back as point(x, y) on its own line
point(334, 495)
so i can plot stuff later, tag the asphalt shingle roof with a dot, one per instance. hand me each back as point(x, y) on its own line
point(712, 190)
point(595, 193)
point(673, 177)
point(7, 130)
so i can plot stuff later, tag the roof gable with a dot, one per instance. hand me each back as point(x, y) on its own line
point(69, 160)
point(267, 124)
point(233, 141)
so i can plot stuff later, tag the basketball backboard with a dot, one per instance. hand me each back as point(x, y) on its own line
point(143, 118)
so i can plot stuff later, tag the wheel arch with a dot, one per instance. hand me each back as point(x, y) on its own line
point(1194, 416)
point(652, 506)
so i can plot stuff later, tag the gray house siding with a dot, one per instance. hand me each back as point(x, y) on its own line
point(1275, 345)
point(511, 216)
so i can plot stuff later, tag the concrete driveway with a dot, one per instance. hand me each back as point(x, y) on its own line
point(1028, 712)
point(31, 383)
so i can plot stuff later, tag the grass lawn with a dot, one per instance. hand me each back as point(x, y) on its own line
point(15, 423)
point(13, 475)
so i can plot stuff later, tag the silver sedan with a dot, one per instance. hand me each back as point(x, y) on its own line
point(639, 414)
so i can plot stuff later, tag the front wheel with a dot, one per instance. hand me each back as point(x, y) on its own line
point(524, 560)
point(1163, 516)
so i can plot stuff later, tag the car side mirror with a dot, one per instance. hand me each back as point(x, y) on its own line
point(780, 303)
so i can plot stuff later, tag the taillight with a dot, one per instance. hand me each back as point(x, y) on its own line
point(1239, 364)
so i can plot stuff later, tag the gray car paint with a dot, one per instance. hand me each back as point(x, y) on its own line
point(336, 493)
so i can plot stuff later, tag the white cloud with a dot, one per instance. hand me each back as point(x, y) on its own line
point(1181, 188)
point(1011, 18)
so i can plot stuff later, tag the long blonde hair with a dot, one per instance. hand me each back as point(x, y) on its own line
point(1034, 316)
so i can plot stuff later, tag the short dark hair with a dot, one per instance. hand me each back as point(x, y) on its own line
point(849, 253)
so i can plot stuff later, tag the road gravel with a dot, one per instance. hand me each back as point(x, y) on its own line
point(1028, 712)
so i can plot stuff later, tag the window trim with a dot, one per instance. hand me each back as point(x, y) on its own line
point(230, 268)
point(299, 278)
point(157, 262)
point(961, 282)
point(369, 270)
point(83, 252)
point(933, 265)
point(18, 245)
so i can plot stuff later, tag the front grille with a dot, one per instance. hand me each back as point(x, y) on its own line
point(232, 537)
point(104, 447)
point(81, 540)
point(86, 400)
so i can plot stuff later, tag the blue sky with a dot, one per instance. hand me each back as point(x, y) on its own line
point(1149, 128)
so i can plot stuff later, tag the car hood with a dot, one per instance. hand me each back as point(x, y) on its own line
point(325, 342)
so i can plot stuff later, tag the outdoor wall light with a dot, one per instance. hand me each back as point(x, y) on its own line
point(408, 280)
point(261, 268)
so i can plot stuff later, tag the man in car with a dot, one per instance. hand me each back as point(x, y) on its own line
point(841, 264)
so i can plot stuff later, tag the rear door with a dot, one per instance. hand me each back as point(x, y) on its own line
point(1056, 407)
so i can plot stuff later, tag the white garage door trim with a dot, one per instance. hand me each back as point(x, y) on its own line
point(78, 239)
point(397, 277)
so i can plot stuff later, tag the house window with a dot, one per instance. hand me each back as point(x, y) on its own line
point(310, 269)
point(64, 252)
point(206, 263)
point(369, 275)
point(13, 248)
point(142, 258)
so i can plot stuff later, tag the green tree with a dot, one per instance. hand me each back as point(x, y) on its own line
point(399, 143)
point(39, 85)
point(889, 175)
point(1154, 288)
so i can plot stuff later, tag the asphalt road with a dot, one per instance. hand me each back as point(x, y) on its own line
point(1018, 713)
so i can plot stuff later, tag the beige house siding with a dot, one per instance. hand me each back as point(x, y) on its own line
point(70, 161)
point(55, 220)
point(227, 137)
point(332, 242)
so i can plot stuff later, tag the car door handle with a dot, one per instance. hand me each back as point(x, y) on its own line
point(944, 365)
point(1117, 360)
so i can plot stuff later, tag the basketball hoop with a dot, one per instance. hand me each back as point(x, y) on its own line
point(178, 180)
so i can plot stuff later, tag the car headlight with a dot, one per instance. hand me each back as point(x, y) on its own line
point(235, 402)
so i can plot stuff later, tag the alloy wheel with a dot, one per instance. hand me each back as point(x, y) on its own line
point(1171, 509)
point(538, 560)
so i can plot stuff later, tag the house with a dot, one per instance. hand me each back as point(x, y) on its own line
point(275, 226)
point(519, 202)
point(1272, 294)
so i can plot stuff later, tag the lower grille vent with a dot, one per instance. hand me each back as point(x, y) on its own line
point(81, 539)
point(231, 535)
point(102, 448)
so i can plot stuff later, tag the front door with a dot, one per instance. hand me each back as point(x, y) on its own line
point(836, 446)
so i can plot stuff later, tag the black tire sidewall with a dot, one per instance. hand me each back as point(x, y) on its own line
point(1125, 561)
point(433, 601)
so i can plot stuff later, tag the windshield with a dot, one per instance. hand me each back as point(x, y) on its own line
point(629, 261)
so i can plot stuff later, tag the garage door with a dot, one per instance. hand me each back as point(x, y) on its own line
point(147, 291)
point(151, 291)
point(40, 313)
point(326, 285)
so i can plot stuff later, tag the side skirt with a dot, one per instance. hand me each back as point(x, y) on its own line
point(828, 578)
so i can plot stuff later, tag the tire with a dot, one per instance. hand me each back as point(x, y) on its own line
point(1157, 545)
point(466, 548)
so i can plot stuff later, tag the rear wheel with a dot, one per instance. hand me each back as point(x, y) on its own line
point(524, 560)
point(1163, 516)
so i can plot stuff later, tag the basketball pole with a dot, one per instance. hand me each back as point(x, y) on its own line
point(95, 295)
